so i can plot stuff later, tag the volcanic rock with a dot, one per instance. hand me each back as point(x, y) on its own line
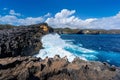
point(31, 68)
point(23, 40)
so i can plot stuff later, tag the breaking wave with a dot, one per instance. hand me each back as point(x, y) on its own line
point(54, 45)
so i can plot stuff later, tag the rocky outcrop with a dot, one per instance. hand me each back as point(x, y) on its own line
point(66, 31)
point(98, 31)
point(22, 40)
point(90, 32)
point(31, 68)
point(25, 41)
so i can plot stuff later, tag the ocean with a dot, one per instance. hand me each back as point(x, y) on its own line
point(103, 47)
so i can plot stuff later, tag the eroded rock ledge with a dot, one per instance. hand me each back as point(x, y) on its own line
point(31, 68)
point(22, 40)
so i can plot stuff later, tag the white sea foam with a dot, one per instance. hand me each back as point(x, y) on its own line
point(53, 45)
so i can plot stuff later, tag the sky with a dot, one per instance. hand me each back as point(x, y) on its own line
point(94, 14)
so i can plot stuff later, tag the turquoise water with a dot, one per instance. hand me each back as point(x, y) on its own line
point(104, 48)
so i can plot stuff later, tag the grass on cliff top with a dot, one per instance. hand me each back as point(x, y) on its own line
point(6, 26)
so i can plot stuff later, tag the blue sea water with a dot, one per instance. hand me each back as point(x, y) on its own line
point(104, 48)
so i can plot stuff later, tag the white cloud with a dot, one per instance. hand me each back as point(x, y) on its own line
point(30, 20)
point(5, 8)
point(62, 19)
point(112, 22)
point(64, 13)
point(47, 15)
point(14, 19)
point(12, 12)
point(8, 19)
point(66, 18)
point(11, 19)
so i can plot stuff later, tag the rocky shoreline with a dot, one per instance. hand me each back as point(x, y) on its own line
point(31, 68)
point(19, 44)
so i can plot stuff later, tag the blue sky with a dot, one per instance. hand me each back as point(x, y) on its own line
point(85, 13)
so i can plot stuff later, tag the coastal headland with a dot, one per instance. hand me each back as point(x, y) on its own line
point(18, 44)
point(86, 31)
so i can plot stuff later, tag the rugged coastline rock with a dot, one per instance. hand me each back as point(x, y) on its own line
point(18, 44)
point(31, 68)
point(22, 40)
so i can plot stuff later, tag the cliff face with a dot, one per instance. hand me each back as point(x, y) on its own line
point(23, 40)
point(30, 68)
point(66, 31)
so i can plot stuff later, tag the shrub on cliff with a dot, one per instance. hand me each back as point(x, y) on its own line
point(6, 26)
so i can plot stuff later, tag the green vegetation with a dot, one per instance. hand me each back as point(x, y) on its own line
point(66, 30)
point(6, 26)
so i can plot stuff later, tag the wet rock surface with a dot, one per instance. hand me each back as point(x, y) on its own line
point(23, 40)
point(31, 68)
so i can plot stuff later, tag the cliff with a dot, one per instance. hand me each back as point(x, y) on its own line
point(22, 40)
point(65, 31)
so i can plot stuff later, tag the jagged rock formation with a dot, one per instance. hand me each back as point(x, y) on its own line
point(23, 40)
point(30, 68)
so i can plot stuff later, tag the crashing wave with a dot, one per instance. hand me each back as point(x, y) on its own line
point(53, 44)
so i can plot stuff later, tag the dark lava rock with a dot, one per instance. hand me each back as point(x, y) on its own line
point(31, 68)
point(22, 40)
